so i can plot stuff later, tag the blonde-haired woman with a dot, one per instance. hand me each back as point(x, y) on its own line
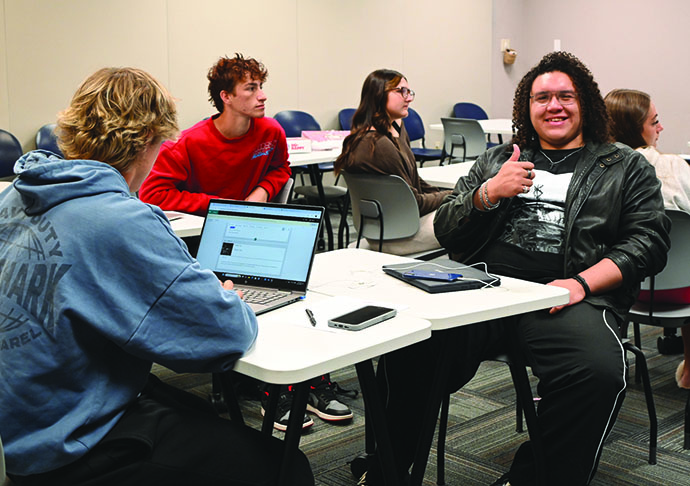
point(635, 122)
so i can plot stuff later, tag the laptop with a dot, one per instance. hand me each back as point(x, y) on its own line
point(465, 277)
point(266, 249)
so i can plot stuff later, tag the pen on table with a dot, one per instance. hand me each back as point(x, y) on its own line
point(312, 319)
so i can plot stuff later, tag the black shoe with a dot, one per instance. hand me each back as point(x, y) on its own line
point(323, 402)
point(363, 480)
point(670, 345)
point(283, 411)
point(502, 481)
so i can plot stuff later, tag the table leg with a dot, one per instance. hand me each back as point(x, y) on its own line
point(431, 413)
point(294, 429)
point(270, 410)
point(375, 412)
point(317, 180)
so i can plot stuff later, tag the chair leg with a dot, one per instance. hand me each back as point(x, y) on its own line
point(227, 389)
point(217, 394)
point(686, 436)
point(441, 449)
point(638, 345)
point(641, 364)
point(524, 395)
point(344, 228)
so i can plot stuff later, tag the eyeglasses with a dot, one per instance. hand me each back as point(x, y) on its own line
point(405, 92)
point(565, 98)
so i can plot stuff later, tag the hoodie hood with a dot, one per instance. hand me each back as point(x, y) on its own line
point(45, 180)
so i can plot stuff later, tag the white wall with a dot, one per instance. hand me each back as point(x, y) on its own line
point(634, 44)
point(318, 52)
point(4, 91)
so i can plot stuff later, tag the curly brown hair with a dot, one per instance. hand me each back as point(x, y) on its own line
point(114, 116)
point(228, 72)
point(595, 120)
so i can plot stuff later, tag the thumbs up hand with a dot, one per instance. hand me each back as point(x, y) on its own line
point(515, 177)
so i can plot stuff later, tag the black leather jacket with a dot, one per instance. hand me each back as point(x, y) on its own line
point(614, 209)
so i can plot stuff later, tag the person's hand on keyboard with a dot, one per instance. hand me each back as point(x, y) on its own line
point(229, 285)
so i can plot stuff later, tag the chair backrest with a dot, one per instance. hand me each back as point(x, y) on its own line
point(284, 194)
point(469, 110)
point(464, 133)
point(414, 125)
point(10, 151)
point(47, 140)
point(382, 199)
point(345, 118)
point(675, 275)
point(294, 122)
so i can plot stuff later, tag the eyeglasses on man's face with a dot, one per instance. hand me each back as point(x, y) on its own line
point(405, 92)
point(565, 98)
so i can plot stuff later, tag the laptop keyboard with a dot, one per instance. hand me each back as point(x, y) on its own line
point(258, 296)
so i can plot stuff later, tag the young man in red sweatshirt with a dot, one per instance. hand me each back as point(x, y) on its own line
point(236, 154)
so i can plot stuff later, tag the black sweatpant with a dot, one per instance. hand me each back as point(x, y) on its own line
point(170, 437)
point(580, 363)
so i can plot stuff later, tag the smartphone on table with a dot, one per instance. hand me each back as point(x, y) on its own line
point(432, 275)
point(362, 318)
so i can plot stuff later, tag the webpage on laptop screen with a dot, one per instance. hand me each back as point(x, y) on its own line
point(276, 243)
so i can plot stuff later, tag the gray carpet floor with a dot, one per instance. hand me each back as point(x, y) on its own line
point(481, 430)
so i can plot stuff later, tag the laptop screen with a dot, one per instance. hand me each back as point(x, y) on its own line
point(260, 244)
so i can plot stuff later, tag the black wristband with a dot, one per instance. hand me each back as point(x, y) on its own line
point(583, 282)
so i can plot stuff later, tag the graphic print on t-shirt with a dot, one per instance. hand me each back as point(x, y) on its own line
point(537, 222)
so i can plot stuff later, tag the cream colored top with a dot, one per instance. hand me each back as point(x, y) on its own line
point(674, 173)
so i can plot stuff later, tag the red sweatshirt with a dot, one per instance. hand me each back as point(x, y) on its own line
point(202, 164)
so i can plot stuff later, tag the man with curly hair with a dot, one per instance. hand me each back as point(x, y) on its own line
point(558, 206)
point(236, 154)
point(95, 289)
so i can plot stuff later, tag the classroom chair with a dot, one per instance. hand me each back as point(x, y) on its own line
point(675, 275)
point(415, 130)
point(10, 151)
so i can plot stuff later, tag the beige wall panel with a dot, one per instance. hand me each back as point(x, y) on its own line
point(4, 92)
point(626, 44)
point(202, 31)
point(339, 44)
point(52, 46)
point(447, 57)
point(435, 44)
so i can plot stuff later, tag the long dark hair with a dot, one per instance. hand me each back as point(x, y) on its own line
point(595, 120)
point(628, 110)
point(370, 113)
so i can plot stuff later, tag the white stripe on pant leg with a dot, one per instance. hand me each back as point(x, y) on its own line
point(603, 438)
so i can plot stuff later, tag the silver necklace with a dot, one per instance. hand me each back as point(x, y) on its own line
point(559, 161)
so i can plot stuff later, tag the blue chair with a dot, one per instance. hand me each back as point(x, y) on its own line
point(474, 112)
point(345, 118)
point(10, 151)
point(294, 122)
point(469, 110)
point(415, 129)
point(47, 140)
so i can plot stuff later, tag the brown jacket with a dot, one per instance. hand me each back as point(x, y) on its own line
point(384, 155)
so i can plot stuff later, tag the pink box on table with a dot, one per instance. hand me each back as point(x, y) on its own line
point(325, 139)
